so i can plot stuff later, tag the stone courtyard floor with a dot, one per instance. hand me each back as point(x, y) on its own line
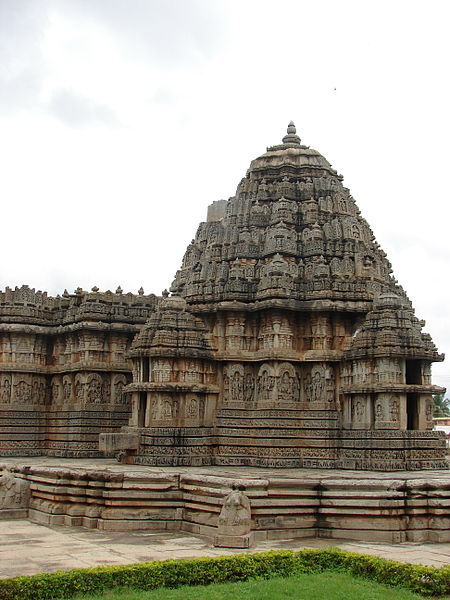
point(27, 548)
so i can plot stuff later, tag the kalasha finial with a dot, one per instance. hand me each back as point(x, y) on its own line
point(291, 137)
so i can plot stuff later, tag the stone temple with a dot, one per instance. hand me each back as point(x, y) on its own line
point(286, 342)
point(268, 397)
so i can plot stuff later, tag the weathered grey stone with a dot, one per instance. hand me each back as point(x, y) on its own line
point(14, 496)
point(110, 442)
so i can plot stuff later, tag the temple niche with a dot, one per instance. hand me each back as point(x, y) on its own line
point(286, 341)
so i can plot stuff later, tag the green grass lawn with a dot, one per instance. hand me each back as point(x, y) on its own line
point(319, 586)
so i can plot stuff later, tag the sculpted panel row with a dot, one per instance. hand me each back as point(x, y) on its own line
point(23, 389)
point(275, 382)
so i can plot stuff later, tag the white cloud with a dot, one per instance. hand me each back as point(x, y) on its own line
point(76, 110)
point(199, 89)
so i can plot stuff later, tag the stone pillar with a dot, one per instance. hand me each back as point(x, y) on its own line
point(134, 409)
point(425, 412)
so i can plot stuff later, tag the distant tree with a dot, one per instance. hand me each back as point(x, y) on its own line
point(441, 406)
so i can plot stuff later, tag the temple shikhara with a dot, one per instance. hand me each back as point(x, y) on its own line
point(285, 341)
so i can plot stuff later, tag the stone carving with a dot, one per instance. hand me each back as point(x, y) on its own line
point(164, 408)
point(161, 370)
point(359, 411)
point(233, 383)
point(94, 389)
point(394, 409)
point(14, 491)
point(22, 391)
point(249, 387)
point(235, 516)
point(80, 386)
point(265, 383)
point(379, 412)
point(192, 408)
point(5, 390)
point(119, 397)
point(288, 386)
point(67, 389)
point(56, 390)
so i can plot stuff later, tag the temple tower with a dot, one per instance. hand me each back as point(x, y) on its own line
point(307, 349)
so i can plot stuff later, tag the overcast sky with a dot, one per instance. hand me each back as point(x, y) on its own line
point(121, 120)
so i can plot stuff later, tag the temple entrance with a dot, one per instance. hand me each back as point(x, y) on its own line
point(142, 410)
point(412, 411)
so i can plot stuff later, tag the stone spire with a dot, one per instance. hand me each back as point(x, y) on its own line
point(291, 137)
point(292, 232)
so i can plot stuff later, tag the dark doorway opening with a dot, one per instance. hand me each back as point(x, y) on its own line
point(145, 369)
point(142, 409)
point(413, 372)
point(412, 411)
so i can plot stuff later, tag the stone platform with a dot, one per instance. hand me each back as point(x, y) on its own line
point(285, 504)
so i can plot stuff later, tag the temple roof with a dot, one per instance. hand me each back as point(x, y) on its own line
point(292, 232)
point(289, 153)
point(172, 331)
point(392, 329)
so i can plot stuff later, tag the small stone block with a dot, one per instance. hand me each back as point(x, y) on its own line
point(234, 541)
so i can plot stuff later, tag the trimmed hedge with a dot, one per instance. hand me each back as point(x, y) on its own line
point(427, 581)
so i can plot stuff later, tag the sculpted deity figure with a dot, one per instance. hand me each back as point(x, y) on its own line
point(67, 389)
point(234, 518)
point(316, 387)
point(379, 412)
point(236, 386)
point(359, 411)
point(166, 410)
point(192, 408)
point(6, 391)
point(95, 389)
point(249, 387)
point(394, 410)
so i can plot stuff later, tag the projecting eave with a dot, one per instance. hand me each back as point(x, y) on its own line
point(171, 352)
point(361, 306)
point(171, 387)
point(392, 388)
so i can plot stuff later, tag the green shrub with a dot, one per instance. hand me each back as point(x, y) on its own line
point(427, 581)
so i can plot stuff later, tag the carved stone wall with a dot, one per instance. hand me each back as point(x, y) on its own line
point(63, 367)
